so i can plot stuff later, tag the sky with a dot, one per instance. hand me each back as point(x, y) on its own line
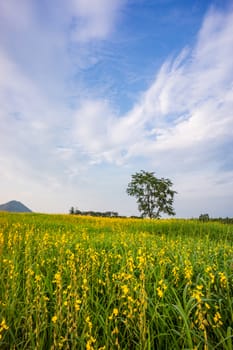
point(92, 91)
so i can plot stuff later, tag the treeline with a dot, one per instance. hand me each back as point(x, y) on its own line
point(206, 217)
point(114, 214)
point(106, 214)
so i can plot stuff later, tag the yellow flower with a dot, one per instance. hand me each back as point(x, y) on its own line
point(115, 331)
point(38, 278)
point(77, 304)
point(3, 325)
point(175, 272)
point(197, 293)
point(57, 278)
point(89, 343)
point(217, 319)
point(200, 287)
point(115, 312)
point(54, 319)
point(212, 277)
point(125, 289)
point(188, 271)
point(160, 292)
point(161, 289)
point(88, 321)
point(223, 279)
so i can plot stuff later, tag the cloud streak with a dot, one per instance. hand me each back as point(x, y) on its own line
point(188, 105)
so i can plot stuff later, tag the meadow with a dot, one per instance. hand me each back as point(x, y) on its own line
point(70, 282)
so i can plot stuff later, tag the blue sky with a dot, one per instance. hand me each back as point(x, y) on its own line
point(93, 91)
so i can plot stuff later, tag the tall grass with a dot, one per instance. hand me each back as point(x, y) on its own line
point(72, 282)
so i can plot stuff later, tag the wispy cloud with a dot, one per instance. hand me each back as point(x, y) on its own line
point(188, 105)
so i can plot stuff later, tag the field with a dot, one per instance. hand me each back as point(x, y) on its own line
point(71, 282)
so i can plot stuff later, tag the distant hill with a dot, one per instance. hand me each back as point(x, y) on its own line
point(14, 206)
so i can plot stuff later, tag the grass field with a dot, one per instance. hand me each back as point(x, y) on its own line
point(71, 282)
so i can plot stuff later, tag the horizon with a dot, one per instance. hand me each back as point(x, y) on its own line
point(115, 214)
point(93, 91)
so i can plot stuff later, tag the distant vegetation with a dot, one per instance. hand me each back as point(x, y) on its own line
point(206, 218)
point(110, 214)
point(113, 214)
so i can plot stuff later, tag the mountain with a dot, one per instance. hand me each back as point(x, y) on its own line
point(14, 206)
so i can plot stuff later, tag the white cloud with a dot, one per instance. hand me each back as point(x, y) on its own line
point(188, 106)
point(190, 103)
point(90, 122)
point(94, 19)
point(87, 19)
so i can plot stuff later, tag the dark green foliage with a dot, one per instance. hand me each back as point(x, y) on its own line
point(106, 214)
point(224, 220)
point(154, 196)
point(204, 217)
point(72, 210)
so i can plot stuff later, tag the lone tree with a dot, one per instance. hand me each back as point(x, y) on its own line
point(153, 195)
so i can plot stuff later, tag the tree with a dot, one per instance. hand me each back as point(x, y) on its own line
point(153, 195)
point(204, 217)
point(71, 211)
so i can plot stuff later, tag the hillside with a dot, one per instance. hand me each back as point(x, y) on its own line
point(14, 206)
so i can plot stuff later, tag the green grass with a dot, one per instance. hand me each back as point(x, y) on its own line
point(71, 282)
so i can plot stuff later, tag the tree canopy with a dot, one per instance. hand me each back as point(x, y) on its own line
point(154, 196)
